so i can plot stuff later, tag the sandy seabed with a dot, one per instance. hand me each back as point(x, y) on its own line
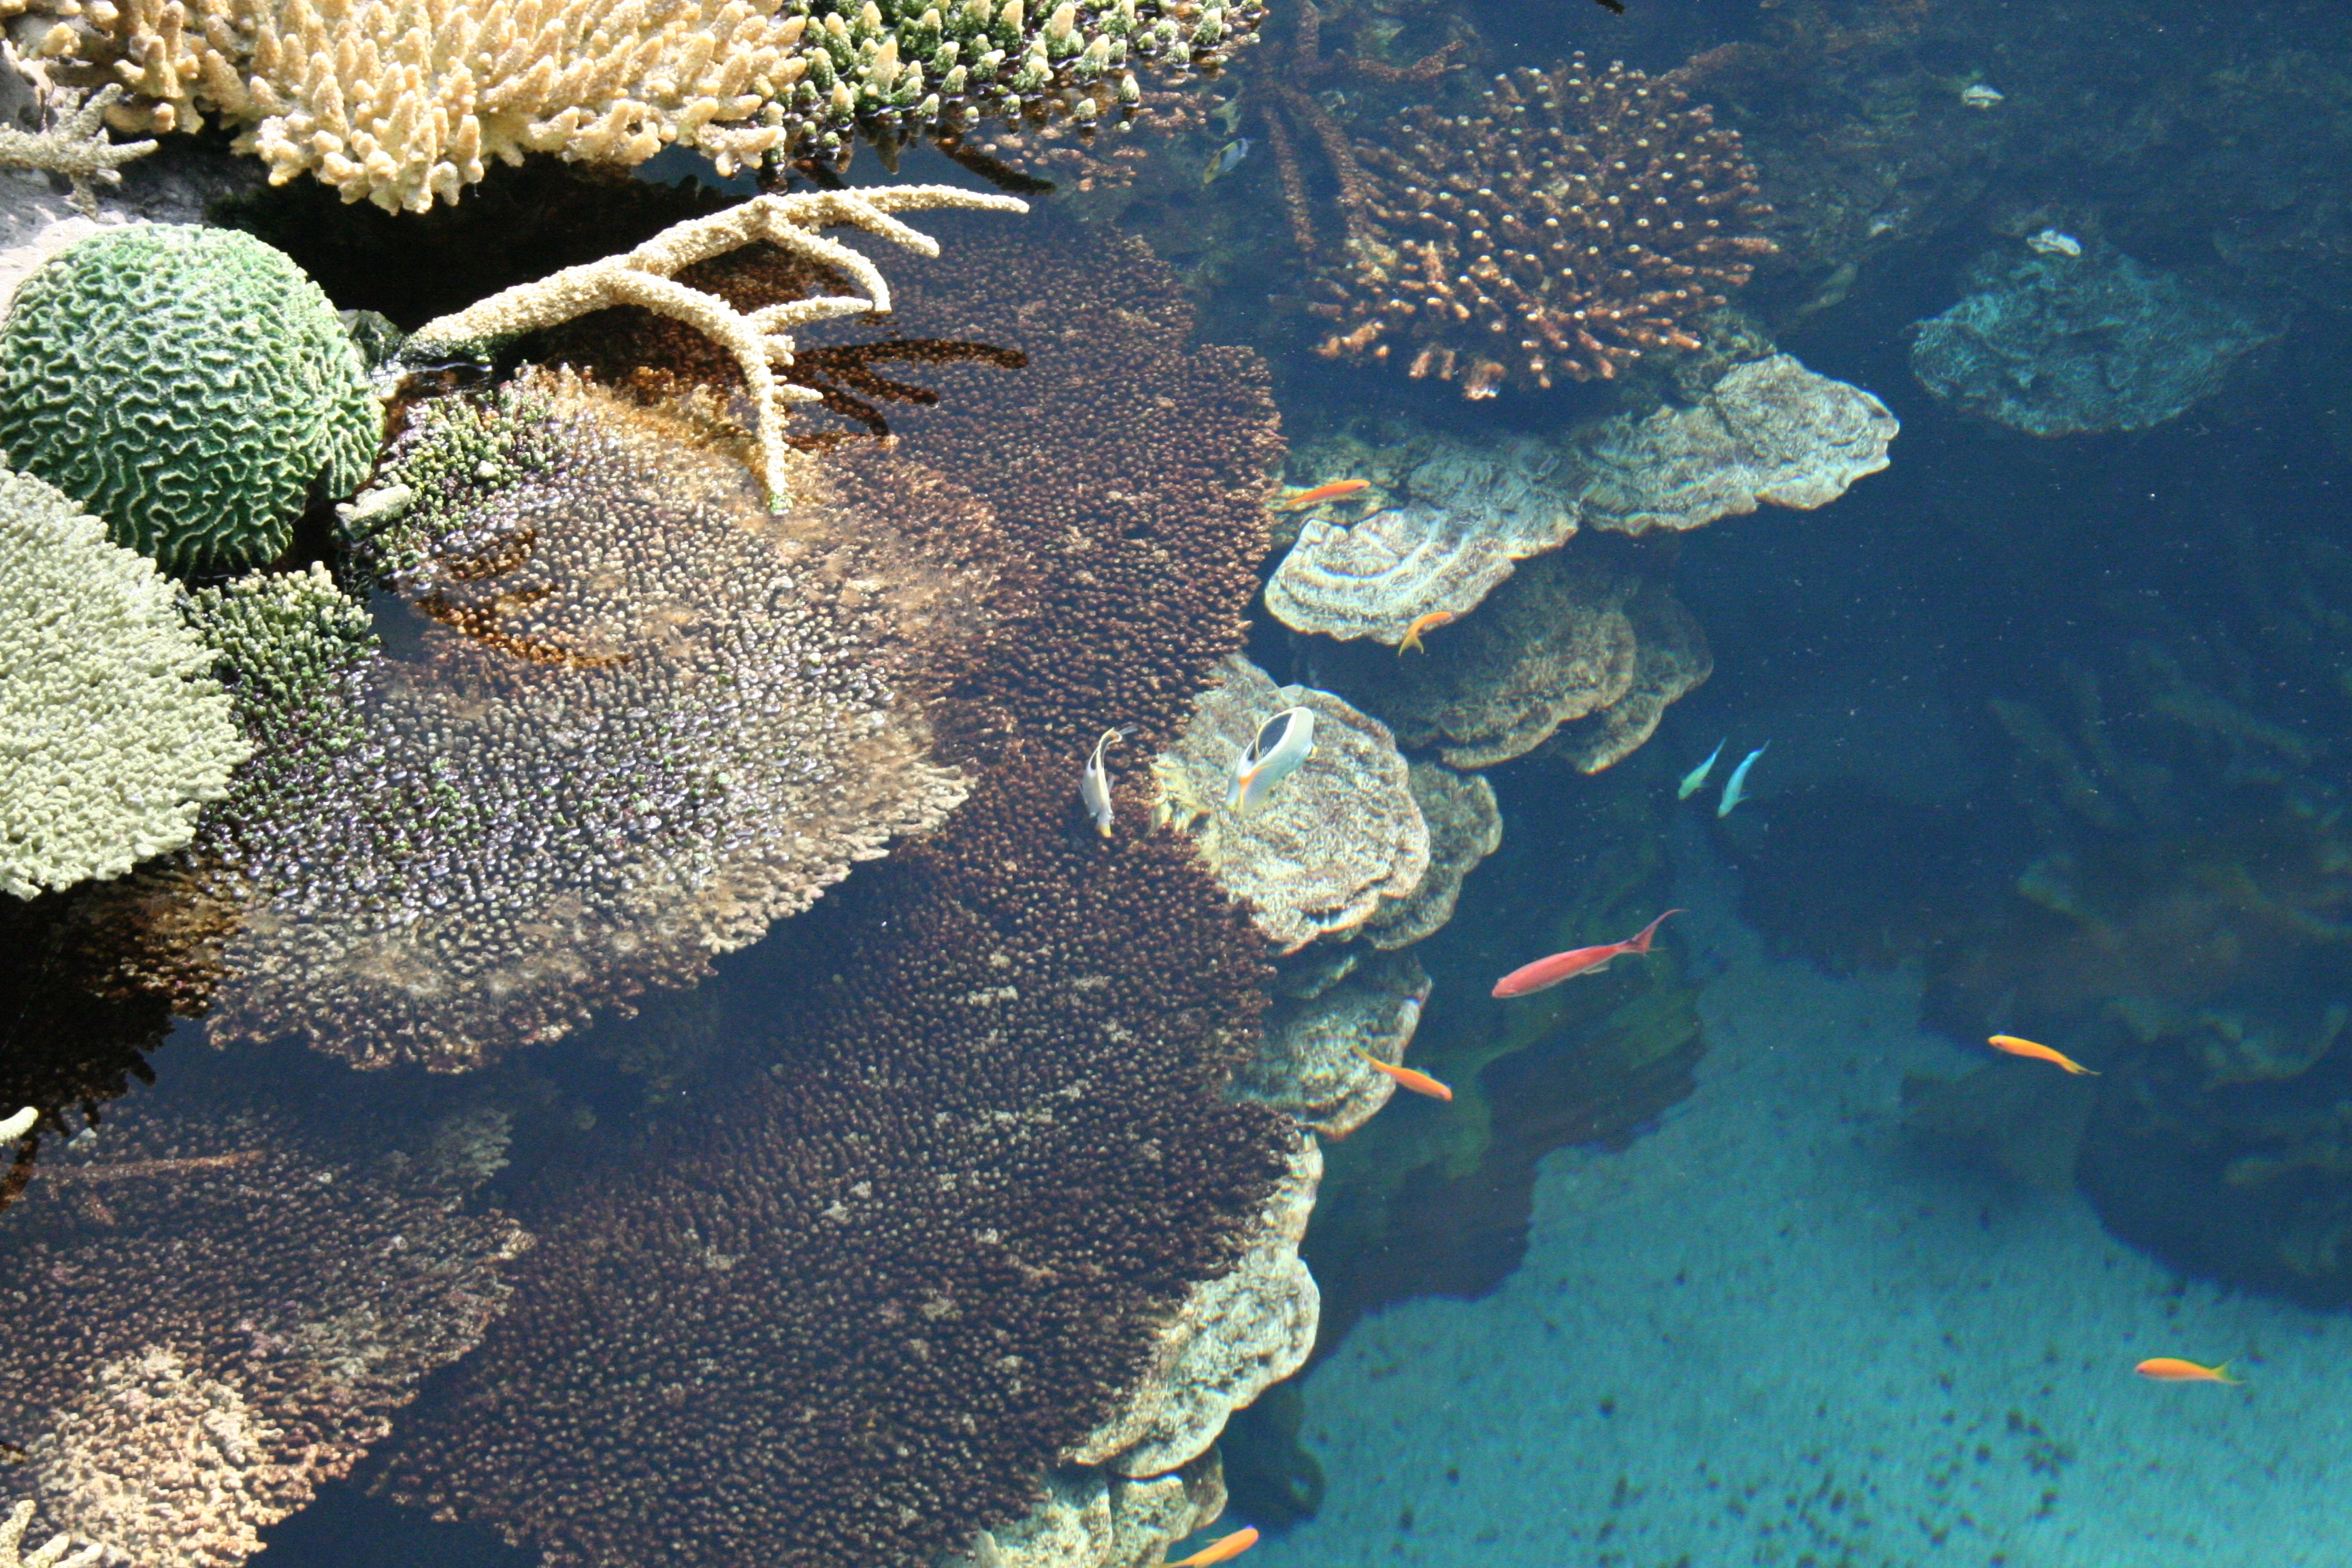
point(1770, 1333)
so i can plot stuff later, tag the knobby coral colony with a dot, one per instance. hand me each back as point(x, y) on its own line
point(857, 1315)
point(1577, 221)
point(404, 104)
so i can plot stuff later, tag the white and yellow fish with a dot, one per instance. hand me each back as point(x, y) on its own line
point(1093, 783)
point(1282, 743)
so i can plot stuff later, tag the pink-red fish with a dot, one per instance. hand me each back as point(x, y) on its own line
point(1406, 1078)
point(2172, 1369)
point(1546, 972)
point(2011, 1045)
point(1222, 1550)
point(1332, 492)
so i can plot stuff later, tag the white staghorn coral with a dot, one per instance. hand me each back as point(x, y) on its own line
point(52, 1555)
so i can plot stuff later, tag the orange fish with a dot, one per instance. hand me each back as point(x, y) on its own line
point(1332, 492)
point(2014, 1046)
point(1222, 1549)
point(1546, 972)
point(1428, 623)
point(1419, 1082)
point(2172, 1369)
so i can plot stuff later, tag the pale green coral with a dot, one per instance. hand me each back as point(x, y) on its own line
point(282, 635)
point(190, 386)
point(112, 733)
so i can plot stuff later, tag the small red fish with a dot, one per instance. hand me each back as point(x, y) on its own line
point(2011, 1045)
point(1332, 492)
point(2172, 1369)
point(1222, 1549)
point(1428, 623)
point(1406, 1078)
point(1546, 972)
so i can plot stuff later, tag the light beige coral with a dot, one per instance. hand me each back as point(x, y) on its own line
point(1339, 836)
point(1309, 1064)
point(1465, 826)
point(50, 1554)
point(402, 102)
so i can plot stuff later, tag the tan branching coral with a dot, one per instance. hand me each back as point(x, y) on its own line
point(76, 146)
point(1339, 836)
point(761, 340)
point(50, 1554)
point(1578, 221)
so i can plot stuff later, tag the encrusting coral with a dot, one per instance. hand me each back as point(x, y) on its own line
point(215, 1306)
point(405, 104)
point(647, 718)
point(760, 340)
point(879, 1282)
point(1338, 837)
point(1310, 1062)
point(115, 733)
point(1768, 431)
point(190, 386)
point(1580, 220)
point(1089, 1519)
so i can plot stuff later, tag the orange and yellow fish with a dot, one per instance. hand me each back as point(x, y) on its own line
point(1332, 492)
point(1222, 1550)
point(2172, 1369)
point(1406, 1078)
point(1428, 623)
point(2012, 1045)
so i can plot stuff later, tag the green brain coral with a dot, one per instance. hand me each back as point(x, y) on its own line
point(188, 384)
point(112, 733)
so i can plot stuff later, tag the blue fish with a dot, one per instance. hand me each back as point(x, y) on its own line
point(1735, 789)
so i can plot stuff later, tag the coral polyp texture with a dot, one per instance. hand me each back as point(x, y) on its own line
point(116, 734)
point(1578, 220)
point(1335, 839)
point(1465, 826)
point(190, 386)
point(405, 104)
point(647, 717)
point(216, 1307)
point(914, 1252)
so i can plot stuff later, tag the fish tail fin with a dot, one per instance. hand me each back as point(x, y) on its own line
point(2223, 1372)
point(1642, 942)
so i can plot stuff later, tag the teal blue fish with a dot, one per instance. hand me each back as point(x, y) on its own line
point(1695, 780)
point(1735, 789)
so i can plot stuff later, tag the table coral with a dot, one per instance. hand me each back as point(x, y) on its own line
point(1465, 826)
point(1310, 1063)
point(1340, 836)
point(1092, 1520)
point(2057, 345)
point(213, 1309)
point(1671, 658)
point(647, 717)
point(1375, 577)
point(1578, 220)
point(190, 386)
point(116, 735)
point(407, 104)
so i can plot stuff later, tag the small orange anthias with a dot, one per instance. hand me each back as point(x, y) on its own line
point(1406, 1078)
point(1428, 623)
point(1222, 1549)
point(1546, 972)
point(2172, 1369)
point(2010, 1045)
point(1332, 492)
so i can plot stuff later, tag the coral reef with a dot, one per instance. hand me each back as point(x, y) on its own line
point(1570, 639)
point(2060, 345)
point(1766, 431)
point(646, 276)
point(1091, 1520)
point(1341, 835)
point(864, 1301)
point(215, 1306)
point(1577, 222)
point(53, 1553)
point(1310, 1064)
point(648, 717)
point(190, 386)
point(1230, 1339)
point(1465, 826)
point(77, 147)
point(404, 108)
point(116, 735)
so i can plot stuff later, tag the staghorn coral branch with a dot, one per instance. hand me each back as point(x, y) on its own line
point(53, 1555)
point(75, 147)
point(760, 341)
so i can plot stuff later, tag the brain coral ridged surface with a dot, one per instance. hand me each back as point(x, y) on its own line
point(645, 718)
point(115, 733)
point(187, 384)
point(856, 1315)
point(217, 1306)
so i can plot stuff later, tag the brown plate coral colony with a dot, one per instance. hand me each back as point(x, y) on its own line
point(764, 809)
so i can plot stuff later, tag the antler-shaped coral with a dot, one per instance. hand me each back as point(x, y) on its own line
point(53, 1555)
point(77, 146)
point(760, 341)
